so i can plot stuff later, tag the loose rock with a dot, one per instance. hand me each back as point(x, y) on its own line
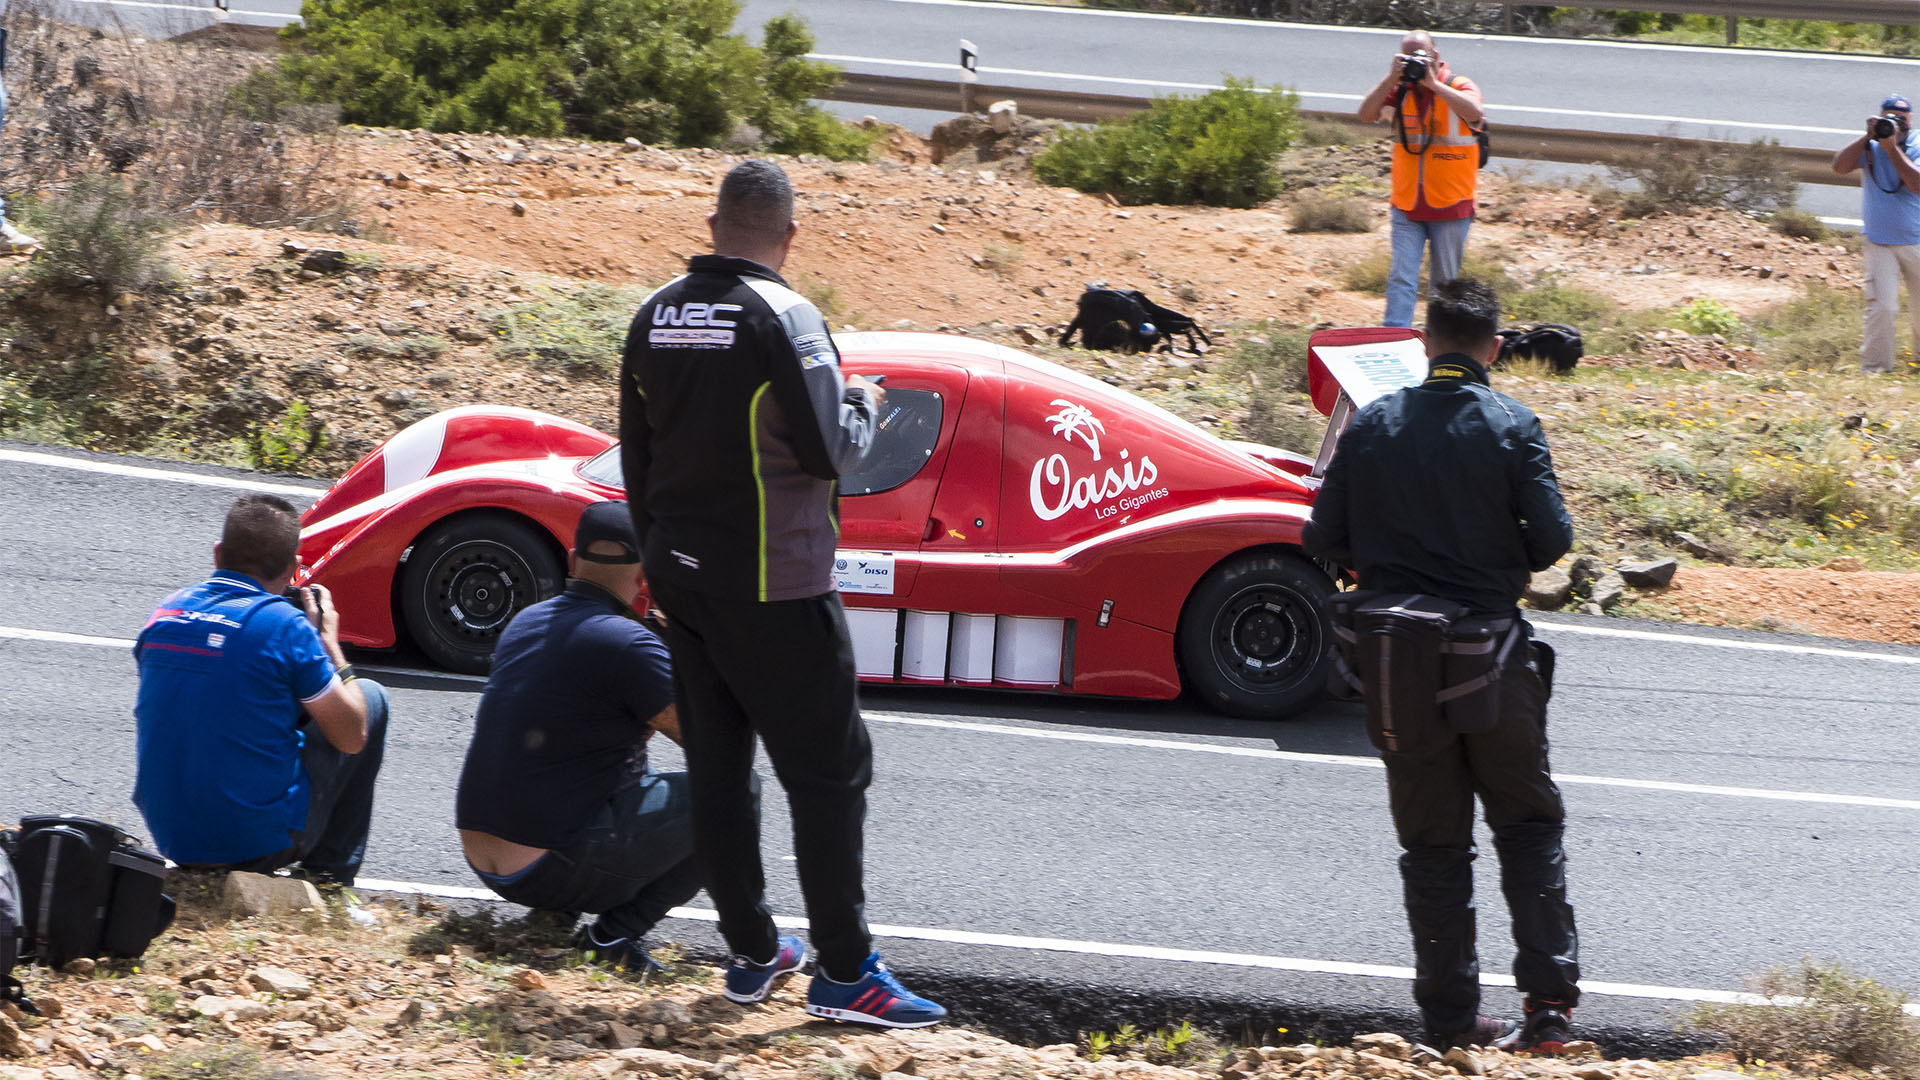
point(1384, 1043)
point(1462, 1061)
point(259, 894)
point(273, 980)
point(1549, 590)
point(1609, 590)
point(1652, 574)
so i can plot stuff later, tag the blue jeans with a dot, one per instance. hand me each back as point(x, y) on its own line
point(631, 864)
point(339, 801)
point(1410, 239)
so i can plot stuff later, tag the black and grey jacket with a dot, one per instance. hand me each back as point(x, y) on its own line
point(735, 424)
point(1445, 488)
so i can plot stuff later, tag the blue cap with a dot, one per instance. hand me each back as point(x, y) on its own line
point(1897, 101)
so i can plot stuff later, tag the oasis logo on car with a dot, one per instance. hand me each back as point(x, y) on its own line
point(863, 572)
point(1055, 488)
point(707, 326)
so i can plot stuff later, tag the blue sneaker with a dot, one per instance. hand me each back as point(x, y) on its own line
point(748, 982)
point(620, 954)
point(875, 998)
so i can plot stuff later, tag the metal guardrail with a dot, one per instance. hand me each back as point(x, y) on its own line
point(1807, 165)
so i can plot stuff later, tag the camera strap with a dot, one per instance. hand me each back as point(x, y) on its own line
point(1875, 177)
point(1425, 117)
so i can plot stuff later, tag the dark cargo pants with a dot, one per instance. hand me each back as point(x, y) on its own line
point(1431, 796)
point(781, 670)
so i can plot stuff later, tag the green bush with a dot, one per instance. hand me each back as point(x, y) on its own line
point(1218, 149)
point(1332, 214)
point(1820, 1013)
point(284, 444)
point(662, 71)
point(582, 330)
point(1276, 356)
point(1552, 302)
point(1708, 316)
point(99, 235)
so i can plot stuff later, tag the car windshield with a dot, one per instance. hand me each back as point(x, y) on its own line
point(908, 430)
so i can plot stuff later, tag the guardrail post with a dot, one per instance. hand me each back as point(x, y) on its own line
point(969, 74)
point(1733, 29)
point(1506, 17)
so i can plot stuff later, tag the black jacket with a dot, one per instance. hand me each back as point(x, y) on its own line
point(1445, 488)
point(734, 425)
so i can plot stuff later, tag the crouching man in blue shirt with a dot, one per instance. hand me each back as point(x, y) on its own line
point(557, 808)
point(231, 774)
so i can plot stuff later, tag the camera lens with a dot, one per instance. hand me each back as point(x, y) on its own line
point(1415, 69)
point(1882, 128)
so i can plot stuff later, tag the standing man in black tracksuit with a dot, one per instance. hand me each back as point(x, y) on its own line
point(735, 424)
point(1447, 489)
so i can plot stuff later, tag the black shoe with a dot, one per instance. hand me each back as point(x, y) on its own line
point(620, 954)
point(1486, 1031)
point(1548, 1028)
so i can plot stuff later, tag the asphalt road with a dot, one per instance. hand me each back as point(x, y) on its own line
point(1736, 801)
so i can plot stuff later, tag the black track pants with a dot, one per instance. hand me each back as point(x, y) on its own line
point(1432, 801)
point(783, 671)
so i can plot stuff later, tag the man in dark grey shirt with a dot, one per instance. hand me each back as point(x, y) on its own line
point(735, 425)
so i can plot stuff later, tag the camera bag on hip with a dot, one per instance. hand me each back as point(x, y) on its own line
point(88, 889)
point(1426, 667)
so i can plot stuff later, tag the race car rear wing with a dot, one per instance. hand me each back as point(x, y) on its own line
point(1350, 366)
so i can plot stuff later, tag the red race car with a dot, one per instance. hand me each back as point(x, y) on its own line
point(1016, 525)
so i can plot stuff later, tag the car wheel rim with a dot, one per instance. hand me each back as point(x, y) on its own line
point(475, 589)
point(1266, 637)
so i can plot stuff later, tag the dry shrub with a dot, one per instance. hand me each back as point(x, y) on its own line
point(1821, 1014)
point(1743, 176)
point(1801, 224)
point(1332, 214)
point(169, 121)
point(97, 235)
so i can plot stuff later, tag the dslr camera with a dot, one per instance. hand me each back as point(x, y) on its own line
point(1415, 65)
point(1882, 126)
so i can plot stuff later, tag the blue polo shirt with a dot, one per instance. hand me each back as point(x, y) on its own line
point(224, 668)
point(562, 723)
point(1892, 217)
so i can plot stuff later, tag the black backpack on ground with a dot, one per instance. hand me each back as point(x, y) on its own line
point(87, 890)
point(1555, 343)
point(13, 933)
point(1124, 320)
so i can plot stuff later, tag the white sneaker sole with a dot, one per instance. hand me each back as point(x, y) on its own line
point(848, 1016)
point(766, 990)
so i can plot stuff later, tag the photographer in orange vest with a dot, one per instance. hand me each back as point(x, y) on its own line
point(1436, 166)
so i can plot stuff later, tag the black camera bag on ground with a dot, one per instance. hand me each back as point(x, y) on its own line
point(1118, 320)
point(89, 890)
point(13, 933)
point(1556, 343)
point(1426, 667)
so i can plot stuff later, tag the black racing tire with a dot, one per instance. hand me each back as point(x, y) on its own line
point(466, 577)
point(1254, 638)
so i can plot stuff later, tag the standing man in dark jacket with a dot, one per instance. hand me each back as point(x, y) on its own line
point(1447, 489)
point(735, 425)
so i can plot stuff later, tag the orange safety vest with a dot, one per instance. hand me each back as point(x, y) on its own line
point(1443, 168)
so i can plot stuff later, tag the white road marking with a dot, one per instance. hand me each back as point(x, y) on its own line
point(1031, 943)
point(1263, 25)
point(1007, 727)
point(1722, 643)
point(142, 472)
point(1168, 84)
point(207, 10)
point(1350, 761)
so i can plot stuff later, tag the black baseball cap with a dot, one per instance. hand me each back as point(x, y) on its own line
point(610, 522)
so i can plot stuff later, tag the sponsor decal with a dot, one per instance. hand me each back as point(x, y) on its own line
point(811, 343)
point(216, 640)
point(695, 315)
point(820, 359)
point(866, 572)
point(685, 559)
point(690, 339)
point(1055, 488)
point(1366, 372)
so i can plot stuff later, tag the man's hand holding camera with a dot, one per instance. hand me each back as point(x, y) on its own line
point(1889, 129)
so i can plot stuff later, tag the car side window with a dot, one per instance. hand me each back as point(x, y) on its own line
point(904, 439)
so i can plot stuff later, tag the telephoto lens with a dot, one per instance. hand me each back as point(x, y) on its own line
point(1881, 127)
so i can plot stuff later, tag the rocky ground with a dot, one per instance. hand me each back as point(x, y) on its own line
point(493, 269)
point(383, 988)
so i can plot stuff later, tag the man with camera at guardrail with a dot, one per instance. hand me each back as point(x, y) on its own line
point(1441, 498)
point(1890, 208)
point(257, 744)
point(1436, 166)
